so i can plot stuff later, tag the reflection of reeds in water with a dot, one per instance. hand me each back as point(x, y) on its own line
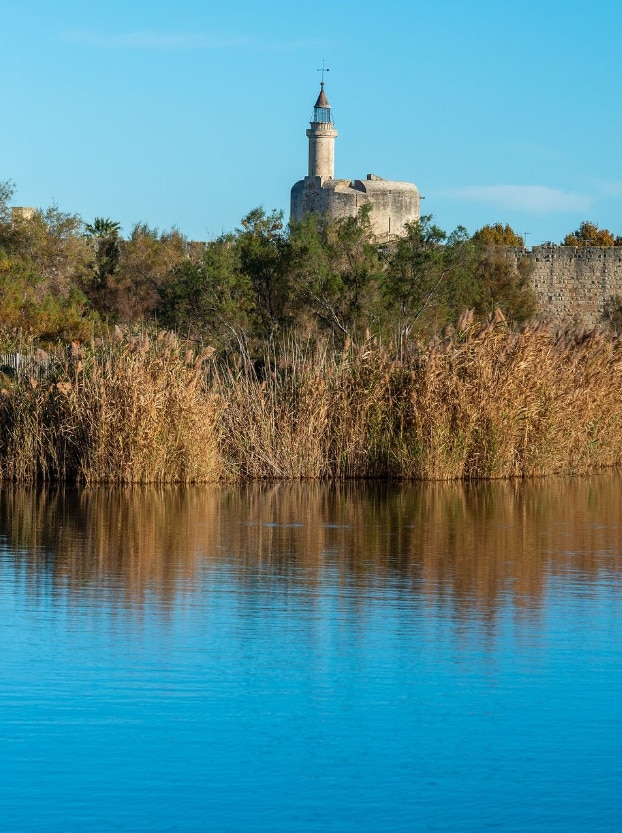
point(480, 404)
point(469, 546)
point(131, 540)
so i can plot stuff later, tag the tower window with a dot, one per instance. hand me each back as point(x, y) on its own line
point(322, 115)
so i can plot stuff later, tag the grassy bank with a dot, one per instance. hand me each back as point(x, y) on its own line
point(482, 402)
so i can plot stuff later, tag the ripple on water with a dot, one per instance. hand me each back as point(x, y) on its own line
point(309, 657)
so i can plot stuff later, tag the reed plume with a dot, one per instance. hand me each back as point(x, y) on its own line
point(482, 401)
point(131, 409)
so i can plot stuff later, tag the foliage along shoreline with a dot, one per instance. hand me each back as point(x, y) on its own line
point(480, 401)
point(64, 279)
point(330, 356)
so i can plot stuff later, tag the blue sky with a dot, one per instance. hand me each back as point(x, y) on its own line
point(190, 114)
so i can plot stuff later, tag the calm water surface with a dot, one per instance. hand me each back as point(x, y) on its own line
point(310, 658)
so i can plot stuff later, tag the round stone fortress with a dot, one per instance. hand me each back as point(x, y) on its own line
point(393, 203)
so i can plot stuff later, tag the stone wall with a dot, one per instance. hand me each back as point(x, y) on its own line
point(572, 285)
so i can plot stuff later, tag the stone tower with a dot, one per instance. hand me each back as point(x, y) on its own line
point(393, 203)
point(322, 135)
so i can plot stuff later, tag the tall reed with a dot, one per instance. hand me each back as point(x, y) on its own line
point(492, 403)
point(309, 412)
point(481, 402)
point(132, 409)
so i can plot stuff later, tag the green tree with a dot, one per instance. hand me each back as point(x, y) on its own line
point(211, 297)
point(238, 289)
point(54, 242)
point(103, 228)
point(262, 246)
point(147, 261)
point(313, 280)
point(7, 189)
point(503, 281)
point(42, 260)
point(105, 238)
point(416, 267)
point(448, 274)
point(502, 277)
point(336, 272)
point(460, 289)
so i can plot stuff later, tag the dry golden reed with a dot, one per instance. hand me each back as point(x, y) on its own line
point(133, 409)
point(483, 402)
point(308, 413)
point(480, 402)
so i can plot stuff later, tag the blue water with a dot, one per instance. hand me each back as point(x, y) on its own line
point(382, 659)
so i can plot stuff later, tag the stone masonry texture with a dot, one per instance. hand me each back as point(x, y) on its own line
point(572, 285)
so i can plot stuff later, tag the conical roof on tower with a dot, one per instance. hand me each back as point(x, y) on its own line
point(322, 101)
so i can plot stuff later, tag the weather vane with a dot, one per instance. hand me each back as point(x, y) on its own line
point(323, 69)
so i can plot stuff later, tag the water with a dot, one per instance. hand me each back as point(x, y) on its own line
point(311, 658)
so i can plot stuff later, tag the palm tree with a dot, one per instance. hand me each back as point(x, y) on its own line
point(104, 233)
point(103, 228)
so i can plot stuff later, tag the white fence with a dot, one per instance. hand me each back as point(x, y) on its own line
point(35, 364)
